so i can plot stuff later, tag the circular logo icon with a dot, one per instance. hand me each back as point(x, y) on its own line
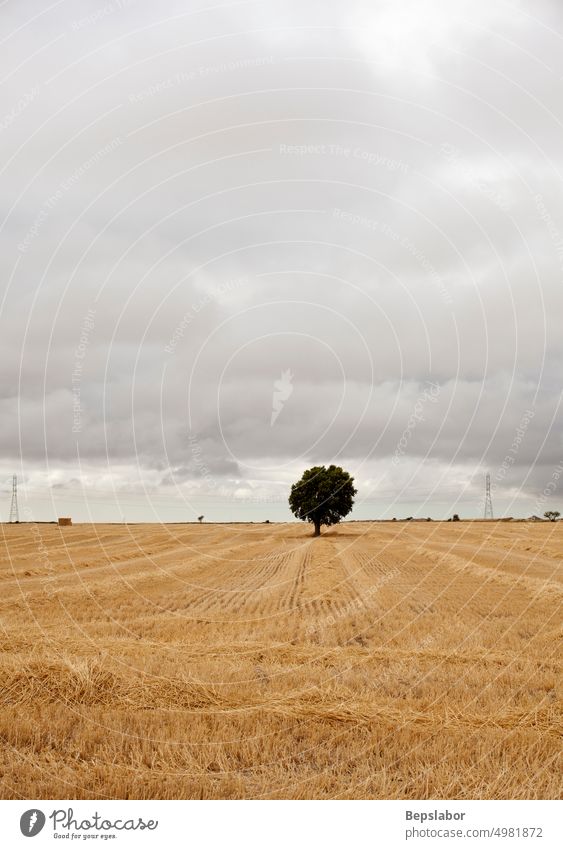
point(32, 822)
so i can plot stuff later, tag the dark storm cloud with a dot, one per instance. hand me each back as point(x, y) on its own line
point(212, 214)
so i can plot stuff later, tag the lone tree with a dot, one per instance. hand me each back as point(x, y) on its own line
point(322, 496)
point(552, 515)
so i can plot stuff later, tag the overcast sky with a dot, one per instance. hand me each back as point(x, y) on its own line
point(239, 239)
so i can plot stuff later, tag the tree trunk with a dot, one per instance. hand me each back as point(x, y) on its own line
point(317, 529)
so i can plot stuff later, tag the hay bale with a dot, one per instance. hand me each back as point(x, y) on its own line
point(64, 521)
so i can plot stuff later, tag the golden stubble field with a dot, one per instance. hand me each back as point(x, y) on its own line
point(390, 660)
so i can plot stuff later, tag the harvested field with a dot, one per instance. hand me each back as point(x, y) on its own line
point(385, 660)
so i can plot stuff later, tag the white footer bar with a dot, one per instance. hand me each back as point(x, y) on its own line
point(281, 824)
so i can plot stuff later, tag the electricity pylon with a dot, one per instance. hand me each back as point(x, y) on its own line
point(14, 511)
point(488, 499)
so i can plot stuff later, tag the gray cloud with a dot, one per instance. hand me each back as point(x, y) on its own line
point(197, 200)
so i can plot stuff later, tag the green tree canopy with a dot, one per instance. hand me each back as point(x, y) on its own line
point(323, 496)
point(552, 515)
